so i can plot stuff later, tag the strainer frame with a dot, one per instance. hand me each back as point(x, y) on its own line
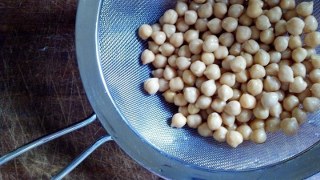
point(298, 167)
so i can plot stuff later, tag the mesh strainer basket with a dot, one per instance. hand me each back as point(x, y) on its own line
point(108, 54)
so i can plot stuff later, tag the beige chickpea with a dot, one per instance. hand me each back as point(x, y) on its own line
point(271, 84)
point(167, 49)
point(235, 10)
point(179, 100)
point(147, 57)
point(315, 89)
point(159, 37)
point(295, 42)
point(245, 131)
point(272, 3)
point(242, 77)
point(299, 54)
point(314, 76)
point(178, 120)
point(258, 136)
point(203, 102)
point(257, 124)
point(152, 46)
point(254, 10)
point(156, 27)
point(221, 52)
point(228, 79)
point(274, 14)
point(191, 94)
point(229, 24)
point(305, 9)
point(220, 134)
point(251, 46)
point(198, 68)
point(280, 27)
point(158, 73)
point(255, 33)
point(281, 43)
point(176, 39)
point(276, 110)
point(311, 24)
point(245, 116)
point(191, 35)
point(172, 61)
point(214, 121)
point(212, 72)
point(263, 23)
point(169, 96)
point(160, 61)
point(145, 31)
point(151, 85)
point(218, 105)
point(205, 10)
point(219, 10)
point(192, 109)
point(315, 60)
point(225, 92)
point(312, 39)
point(298, 85)
point(204, 130)
point(163, 85)
point(194, 121)
point(235, 49)
point(290, 102)
point(261, 57)
point(286, 54)
point(272, 124)
point(275, 56)
point(238, 64)
point(207, 58)
point(181, 8)
point(300, 115)
point(255, 86)
point(201, 25)
point(285, 74)
point(257, 71)
point(236, 94)
point(234, 138)
point(311, 104)
point(233, 108)
point(169, 29)
point(245, 20)
point(269, 100)
point(170, 17)
point(248, 57)
point(188, 78)
point(215, 25)
point(183, 63)
point(248, 101)
point(181, 25)
point(243, 34)
point(226, 39)
point(200, 80)
point(272, 69)
point(287, 4)
point(183, 110)
point(211, 44)
point(195, 46)
point(190, 17)
point(228, 120)
point(289, 126)
point(267, 36)
point(176, 84)
point(260, 112)
point(208, 88)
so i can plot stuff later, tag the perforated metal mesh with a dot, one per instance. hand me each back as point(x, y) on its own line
point(120, 49)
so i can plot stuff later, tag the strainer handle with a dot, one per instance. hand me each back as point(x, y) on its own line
point(27, 147)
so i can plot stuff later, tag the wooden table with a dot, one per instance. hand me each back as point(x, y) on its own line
point(41, 92)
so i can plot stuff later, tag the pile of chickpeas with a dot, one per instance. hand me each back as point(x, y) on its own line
point(236, 69)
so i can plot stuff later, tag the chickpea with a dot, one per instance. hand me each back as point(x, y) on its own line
point(194, 121)
point(145, 31)
point(248, 57)
point(281, 43)
point(255, 86)
point(263, 23)
point(235, 10)
point(218, 105)
point(215, 25)
point(276, 110)
point(192, 109)
point(312, 39)
point(195, 46)
point(299, 54)
point(159, 37)
point(280, 27)
point(147, 57)
point(214, 121)
point(200, 80)
point(207, 58)
point(211, 44)
point(226, 39)
point(191, 35)
point(167, 49)
point(311, 24)
point(184, 51)
point(272, 124)
point(169, 29)
point(271, 84)
point(257, 124)
point(233, 108)
point(203, 102)
point(191, 94)
point(190, 17)
point(236, 94)
point(269, 100)
point(181, 8)
point(198, 68)
point(212, 72)
point(219, 10)
point(228, 79)
point(285, 74)
point(305, 9)
point(247, 101)
point(315, 89)
point(205, 10)
point(176, 39)
point(169, 96)
point(220, 134)
point(254, 10)
point(272, 69)
point(257, 71)
point(228, 120)
point(255, 33)
point(156, 27)
point(204, 130)
point(225, 92)
point(243, 34)
point(258, 136)
point(238, 64)
point(188, 78)
point(245, 116)
point(176, 84)
point(181, 25)
point(245, 131)
point(260, 112)
point(315, 60)
point(311, 104)
point(201, 25)
point(298, 85)
point(242, 77)
point(251, 46)
point(287, 4)
point(221, 52)
point(275, 56)
point(229, 24)
point(274, 14)
point(290, 102)
point(234, 138)
point(183, 63)
point(208, 88)
point(295, 42)
point(314, 76)
point(300, 115)
point(289, 126)
point(267, 36)
point(151, 85)
point(153, 47)
point(245, 20)
point(163, 85)
point(178, 120)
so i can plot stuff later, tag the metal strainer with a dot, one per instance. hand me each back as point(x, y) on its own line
point(108, 54)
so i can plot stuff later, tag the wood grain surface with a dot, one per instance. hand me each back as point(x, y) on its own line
point(41, 92)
